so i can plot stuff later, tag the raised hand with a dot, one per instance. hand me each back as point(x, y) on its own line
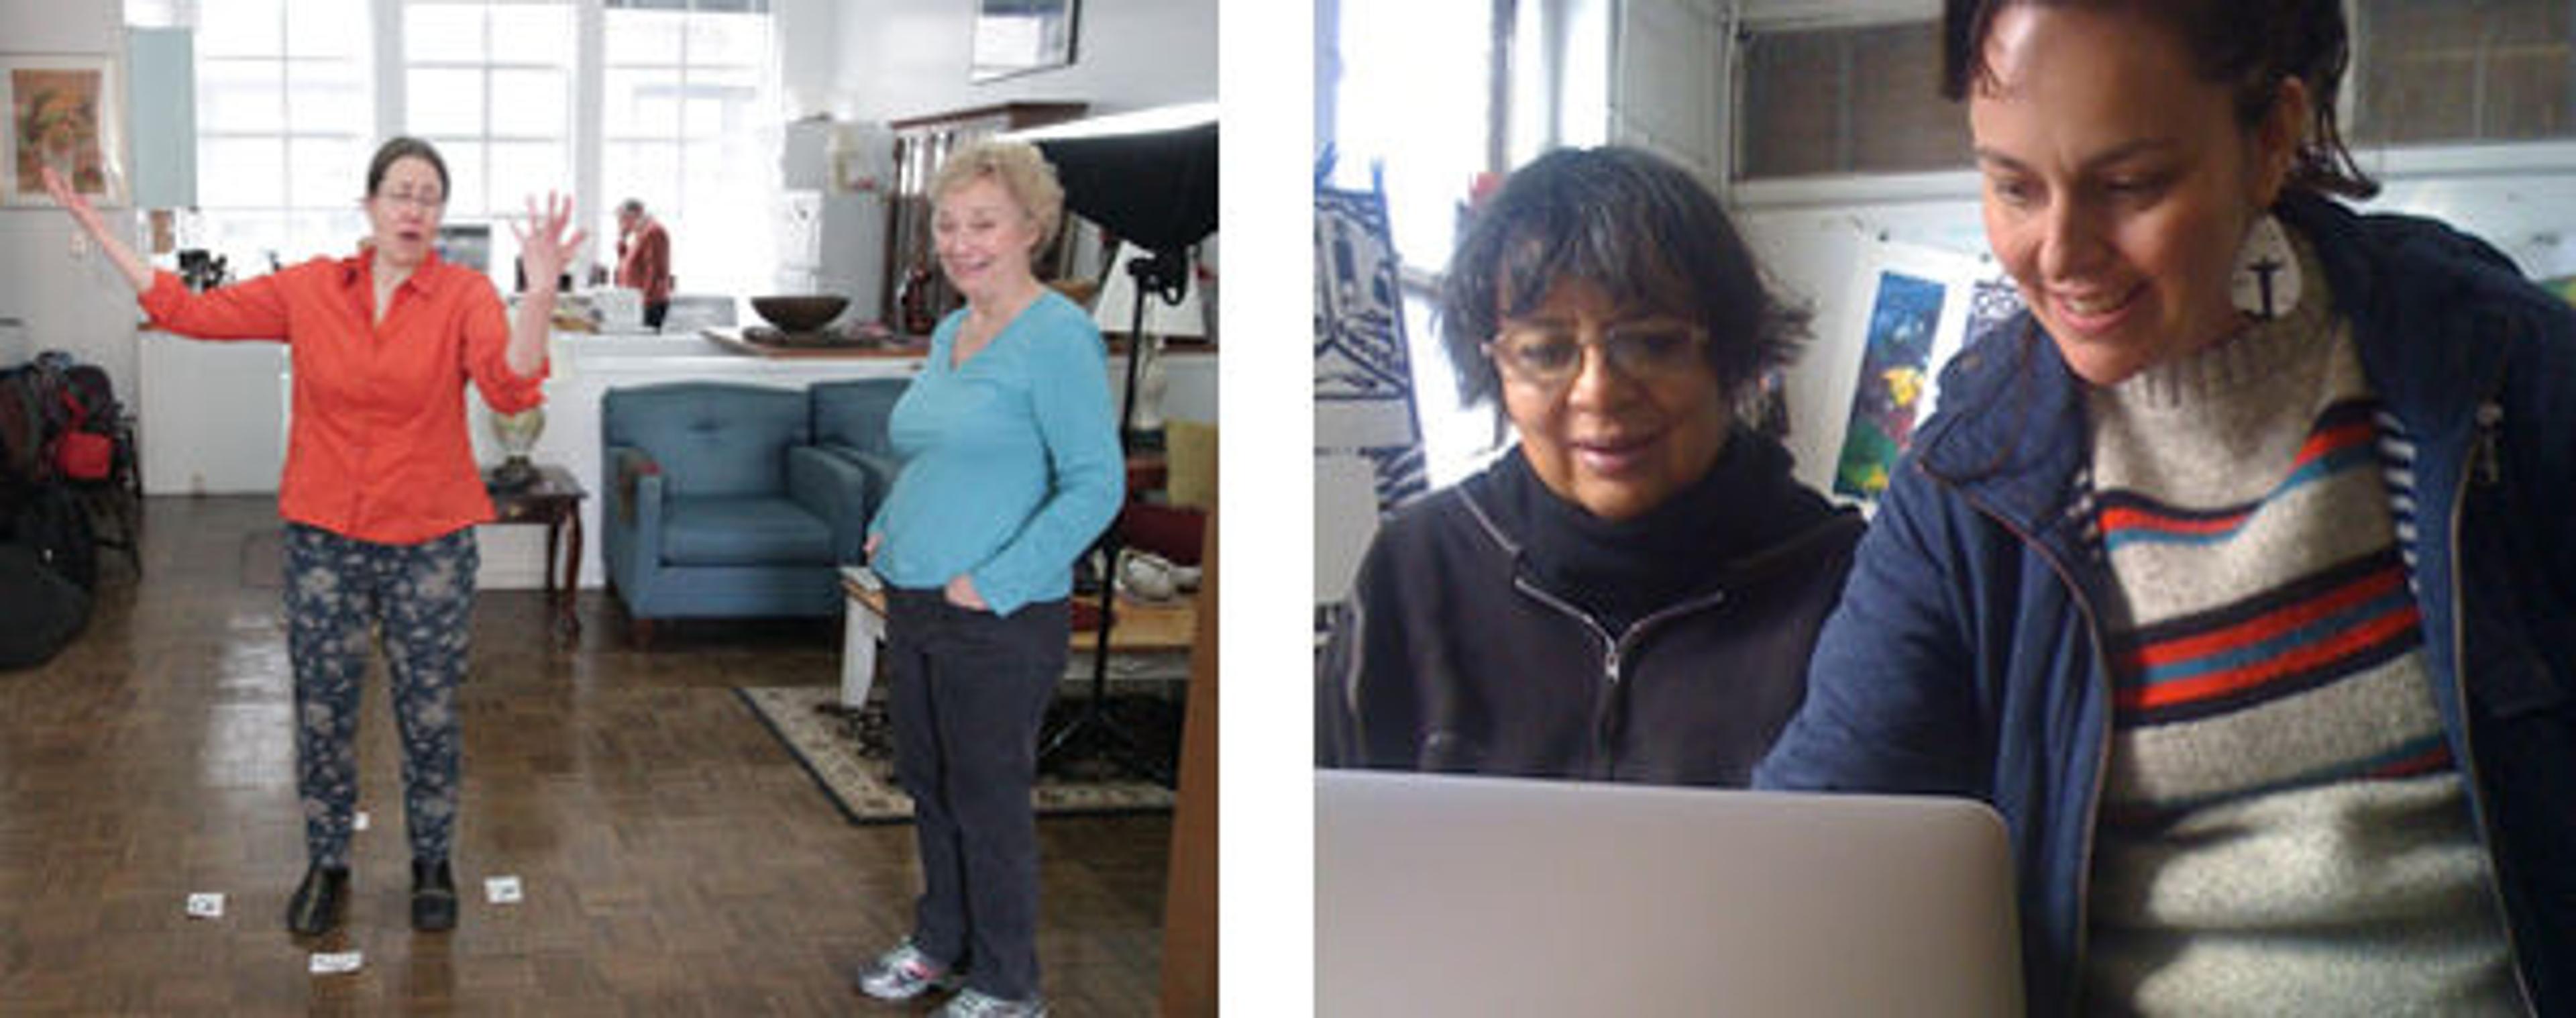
point(132, 265)
point(543, 244)
point(73, 201)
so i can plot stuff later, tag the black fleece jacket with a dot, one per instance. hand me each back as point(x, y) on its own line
point(1471, 644)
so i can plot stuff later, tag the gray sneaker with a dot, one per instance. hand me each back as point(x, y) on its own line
point(904, 973)
point(974, 1004)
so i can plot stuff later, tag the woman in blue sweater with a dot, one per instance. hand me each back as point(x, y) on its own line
point(1011, 468)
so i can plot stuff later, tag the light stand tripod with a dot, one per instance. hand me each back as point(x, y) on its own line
point(1155, 186)
point(1164, 275)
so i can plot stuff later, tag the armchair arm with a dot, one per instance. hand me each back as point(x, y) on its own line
point(629, 470)
point(836, 489)
point(631, 520)
point(880, 467)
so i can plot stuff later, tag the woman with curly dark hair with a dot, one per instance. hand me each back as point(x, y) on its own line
point(1631, 592)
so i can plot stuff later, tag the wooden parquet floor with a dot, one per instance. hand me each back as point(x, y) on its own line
point(675, 858)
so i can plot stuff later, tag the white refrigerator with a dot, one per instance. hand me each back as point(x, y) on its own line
point(833, 212)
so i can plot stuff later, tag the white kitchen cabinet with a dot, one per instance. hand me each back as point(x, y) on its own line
point(212, 415)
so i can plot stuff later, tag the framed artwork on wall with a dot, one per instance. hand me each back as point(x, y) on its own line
point(1019, 36)
point(64, 111)
point(1921, 303)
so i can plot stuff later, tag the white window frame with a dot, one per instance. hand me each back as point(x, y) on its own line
point(498, 208)
point(694, 264)
point(1526, 113)
point(389, 67)
point(297, 203)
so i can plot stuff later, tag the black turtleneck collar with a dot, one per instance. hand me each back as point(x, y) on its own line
point(1620, 571)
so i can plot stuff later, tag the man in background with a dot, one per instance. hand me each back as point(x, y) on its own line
point(644, 259)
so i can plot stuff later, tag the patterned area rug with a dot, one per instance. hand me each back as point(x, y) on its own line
point(862, 784)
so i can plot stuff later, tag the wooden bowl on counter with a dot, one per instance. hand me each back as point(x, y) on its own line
point(799, 314)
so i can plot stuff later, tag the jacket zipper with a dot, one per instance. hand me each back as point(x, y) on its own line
point(2102, 746)
point(2482, 465)
point(1614, 653)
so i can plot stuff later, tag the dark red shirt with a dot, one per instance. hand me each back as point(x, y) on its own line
point(644, 261)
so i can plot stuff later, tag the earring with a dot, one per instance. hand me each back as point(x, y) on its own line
point(2266, 281)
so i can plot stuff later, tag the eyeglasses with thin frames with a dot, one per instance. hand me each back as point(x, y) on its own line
point(1550, 355)
point(430, 202)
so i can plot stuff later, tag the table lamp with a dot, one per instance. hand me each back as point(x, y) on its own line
point(517, 434)
point(1166, 316)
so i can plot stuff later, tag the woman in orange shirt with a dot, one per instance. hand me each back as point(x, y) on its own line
point(380, 493)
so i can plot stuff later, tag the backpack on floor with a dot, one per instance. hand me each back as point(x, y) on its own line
point(46, 611)
point(54, 527)
point(23, 431)
point(85, 445)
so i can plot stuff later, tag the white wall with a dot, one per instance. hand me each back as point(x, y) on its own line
point(78, 305)
point(808, 37)
point(908, 58)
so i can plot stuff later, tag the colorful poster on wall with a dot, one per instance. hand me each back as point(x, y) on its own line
point(1920, 302)
point(63, 113)
point(1895, 356)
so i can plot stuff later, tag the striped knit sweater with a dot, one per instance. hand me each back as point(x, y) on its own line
point(2283, 830)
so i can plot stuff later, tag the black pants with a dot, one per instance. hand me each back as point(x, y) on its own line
point(654, 313)
point(969, 690)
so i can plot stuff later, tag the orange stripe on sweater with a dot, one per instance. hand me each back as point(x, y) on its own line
point(2318, 446)
point(2235, 680)
point(2265, 626)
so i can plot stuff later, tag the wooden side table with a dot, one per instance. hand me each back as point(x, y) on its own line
point(553, 499)
point(1143, 629)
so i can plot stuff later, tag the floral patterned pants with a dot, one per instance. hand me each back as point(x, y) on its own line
point(341, 593)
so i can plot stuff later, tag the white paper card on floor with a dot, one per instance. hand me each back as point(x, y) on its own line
point(326, 963)
point(205, 905)
point(359, 822)
point(501, 890)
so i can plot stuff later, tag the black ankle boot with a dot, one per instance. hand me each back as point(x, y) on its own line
point(433, 896)
point(319, 901)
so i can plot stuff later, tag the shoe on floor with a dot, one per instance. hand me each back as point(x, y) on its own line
point(904, 973)
point(433, 897)
point(975, 1004)
point(319, 902)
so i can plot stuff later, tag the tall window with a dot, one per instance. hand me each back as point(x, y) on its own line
point(285, 115)
point(490, 82)
point(1431, 94)
point(690, 128)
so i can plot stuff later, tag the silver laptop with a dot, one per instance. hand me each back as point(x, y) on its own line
point(1441, 895)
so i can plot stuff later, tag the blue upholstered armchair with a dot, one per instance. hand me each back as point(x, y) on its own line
point(850, 421)
point(718, 505)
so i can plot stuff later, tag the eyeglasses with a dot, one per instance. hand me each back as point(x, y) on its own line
point(1550, 355)
point(424, 201)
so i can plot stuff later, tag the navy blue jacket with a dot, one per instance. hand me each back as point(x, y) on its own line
point(1966, 656)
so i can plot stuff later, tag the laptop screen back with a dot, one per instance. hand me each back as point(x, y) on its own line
point(1461, 895)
